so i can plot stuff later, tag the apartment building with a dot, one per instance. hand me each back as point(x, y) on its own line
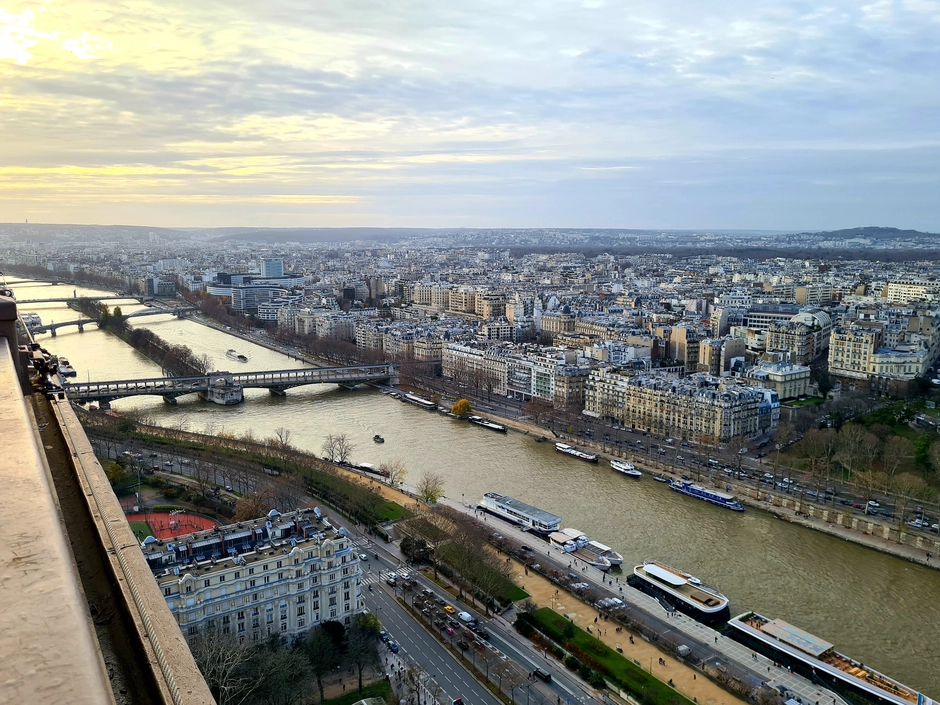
point(280, 574)
point(859, 351)
point(788, 380)
point(902, 291)
point(699, 408)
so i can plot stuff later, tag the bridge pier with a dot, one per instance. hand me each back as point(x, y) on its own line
point(170, 400)
point(278, 391)
point(347, 386)
point(52, 330)
point(81, 327)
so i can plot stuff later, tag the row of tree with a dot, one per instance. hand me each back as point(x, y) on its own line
point(460, 545)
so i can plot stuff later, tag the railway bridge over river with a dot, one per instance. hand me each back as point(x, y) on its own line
point(228, 387)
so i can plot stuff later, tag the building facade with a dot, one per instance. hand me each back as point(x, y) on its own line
point(281, 574)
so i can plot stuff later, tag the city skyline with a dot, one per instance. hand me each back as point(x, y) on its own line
point(783, 116)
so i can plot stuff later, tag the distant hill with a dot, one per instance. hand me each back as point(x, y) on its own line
point(873, 232)
point(322, 234)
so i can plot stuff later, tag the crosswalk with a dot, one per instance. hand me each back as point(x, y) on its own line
point(370, 578)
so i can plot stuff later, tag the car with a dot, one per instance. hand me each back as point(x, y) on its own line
point(458, 701)
point(440, 600)
point(811, 493)
point(481, 632)
point(168, 463)
point(363, 557)
point(639, 443)
point(450, 631)
point(543, 674)
point(449, 610)
point(524, 548)
point(464, 645)
point(873, 504)
point(680, 457)
point(383, 635)
point(440, 623)
point(742, 451)
point(229, 488)
point(393, 647)
point(466, 617)
point(391, 580)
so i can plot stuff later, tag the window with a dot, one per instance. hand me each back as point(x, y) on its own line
point(333, 602)
point(280, 576)
point(251, 571)
point(279, 564)
point(240, 615)
point(298, 573)
point(267, 579)
point(192, 631)
point(221, 578)
point(205, 583)
point(238, 574)
point(166, 591)
point(346, 596)
point(301, 599)
point(264, 567)
point(251, 583)
point(301, 585)
point(301, 622)
point(189, 588)
point(300, 611)
point(226, 619)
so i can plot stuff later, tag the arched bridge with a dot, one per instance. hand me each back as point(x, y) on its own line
point(179, 312)
point(226, 387)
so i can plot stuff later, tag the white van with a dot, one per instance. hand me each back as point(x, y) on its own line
point(465, 617)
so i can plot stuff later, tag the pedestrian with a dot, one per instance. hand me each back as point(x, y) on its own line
point(716, 639)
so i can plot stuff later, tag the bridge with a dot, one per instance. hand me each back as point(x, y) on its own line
point(179, 312)
point(226, 387)
point(67, 299)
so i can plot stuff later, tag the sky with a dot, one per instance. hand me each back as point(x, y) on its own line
point(523, 113)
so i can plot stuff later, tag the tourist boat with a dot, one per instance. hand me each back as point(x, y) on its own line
point(519, 513)
point(486, 423)
point(818, 660)
point(419, 401)
point(378, 439)
point(625, 468)
point(65, 369)
point(575, 453)
point(687, 487)
point(230, 353)
point(593, 547)
point(686, 593)
point(574, 547)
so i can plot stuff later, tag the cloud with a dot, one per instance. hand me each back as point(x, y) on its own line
point(489, 108)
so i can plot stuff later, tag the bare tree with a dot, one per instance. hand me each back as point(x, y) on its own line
point(223, 661)
point(283, 436)
point(251, 506)
point(329, 448)
point(430, 486)
point(395, 471)
point(288, 492)
point(898, 453)
point(344, 448)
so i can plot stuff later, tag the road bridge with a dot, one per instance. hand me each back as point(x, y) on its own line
point(67, 299)
point(226, 387)
point(179, 312)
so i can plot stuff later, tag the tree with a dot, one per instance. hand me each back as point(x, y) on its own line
point(115, 473)
point(338, 449)
point(321, 653)
point(394, 471)
point(224, 663)
point(281, 674)
point(430, 487)
point(283, 436)
point(898, 453)
point(251, 506)
point(461, 408)
point(362, 648)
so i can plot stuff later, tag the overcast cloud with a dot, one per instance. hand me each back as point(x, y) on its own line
point(773, 115)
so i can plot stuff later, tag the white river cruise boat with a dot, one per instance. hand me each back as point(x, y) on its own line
point(521, 514)
point(575, 453)
point(573, 548)
point(625, 468)
point(818, 660)
point(686, 593)
point(594, 547)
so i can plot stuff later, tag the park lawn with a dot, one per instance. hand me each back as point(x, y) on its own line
point(141, 529)
point(505, 591)
point(391, 511)
point(619, 669)
point(381, 689)
point(811, 401)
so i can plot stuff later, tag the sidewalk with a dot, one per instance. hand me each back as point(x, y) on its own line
point(642, 653)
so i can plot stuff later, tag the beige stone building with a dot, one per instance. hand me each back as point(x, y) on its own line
point(699, 408)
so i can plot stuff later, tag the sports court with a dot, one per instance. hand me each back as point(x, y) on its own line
point(164, 525)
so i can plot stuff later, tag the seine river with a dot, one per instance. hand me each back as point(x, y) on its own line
point(878, 609)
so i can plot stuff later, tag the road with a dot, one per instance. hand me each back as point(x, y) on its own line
point(502, 636)
point(416, 644)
